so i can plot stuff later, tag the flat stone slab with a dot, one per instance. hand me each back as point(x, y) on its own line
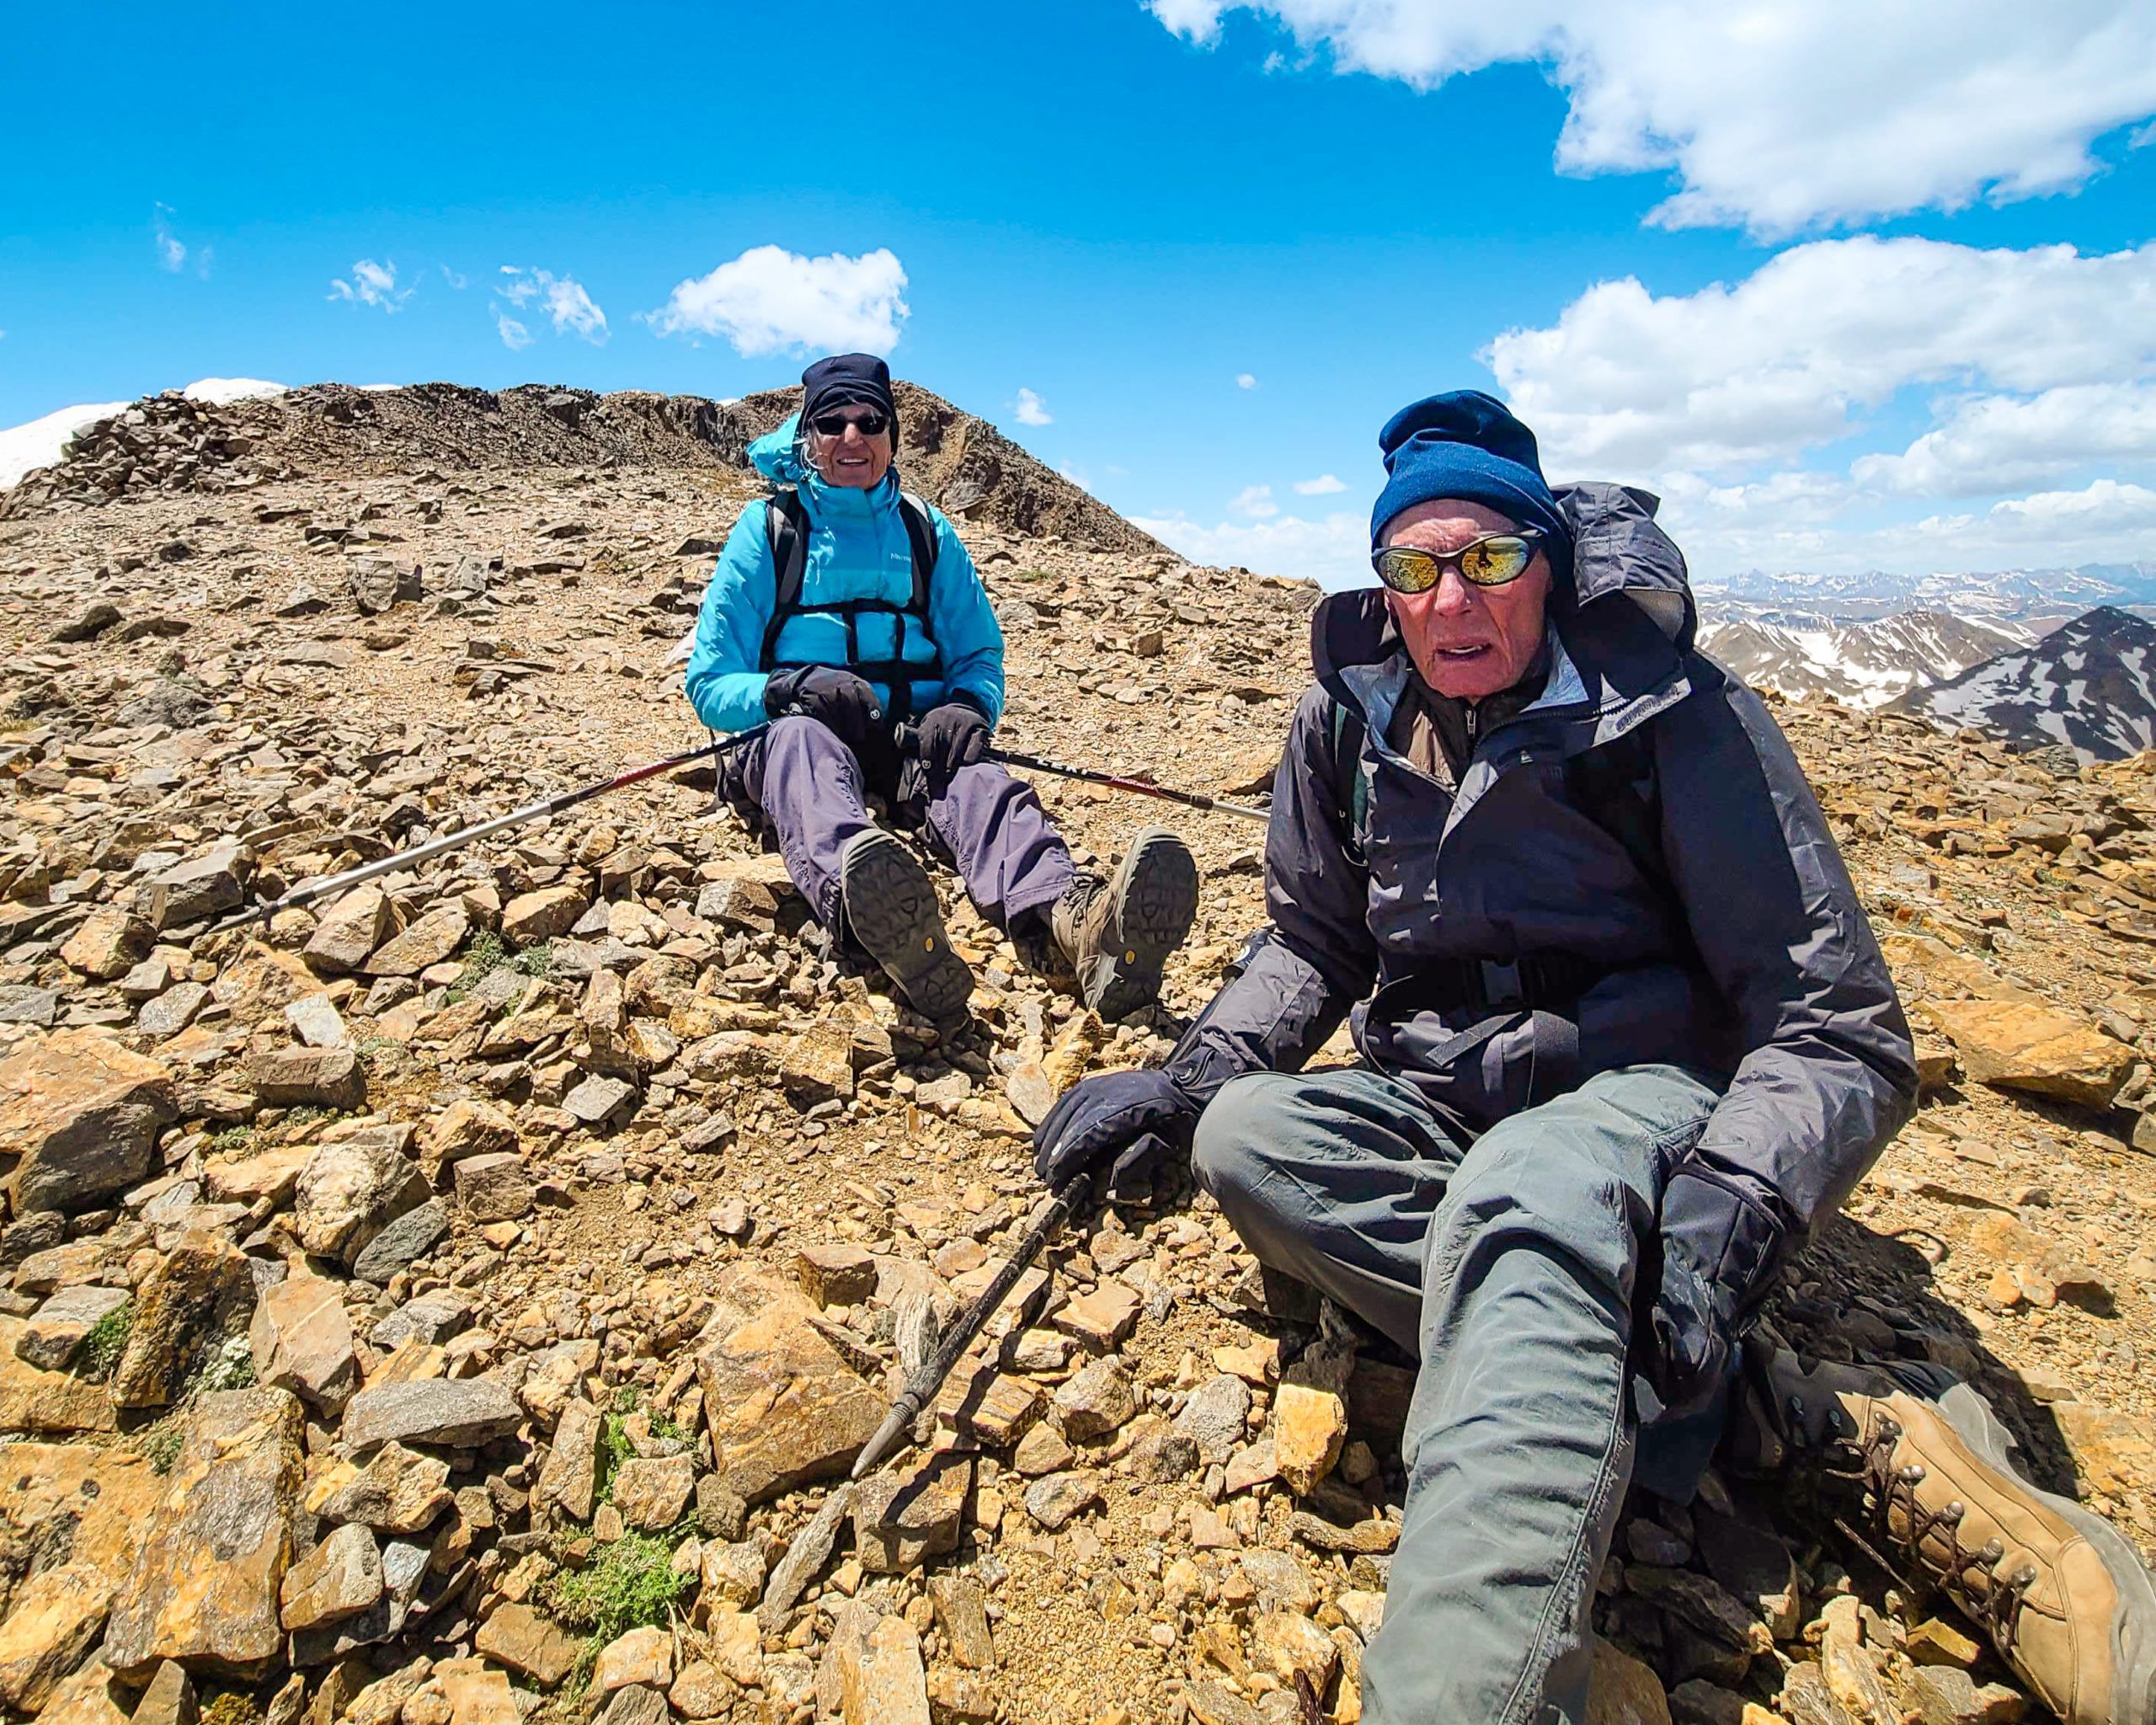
point(460, 1413)
point(83, 1113)
point(205, 1584)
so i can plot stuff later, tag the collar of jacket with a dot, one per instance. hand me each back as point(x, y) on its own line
point(828, 502)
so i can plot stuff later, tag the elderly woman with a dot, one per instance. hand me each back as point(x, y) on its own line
point(845, 609)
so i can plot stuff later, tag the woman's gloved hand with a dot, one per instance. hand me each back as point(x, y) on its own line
point(846, 704)
point(1120, 1118)
point(952, 735)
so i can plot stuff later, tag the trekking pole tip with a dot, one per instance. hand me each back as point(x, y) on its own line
point(894, 1423)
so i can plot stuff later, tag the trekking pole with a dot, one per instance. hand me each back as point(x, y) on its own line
point(1189, 799)
point(921, 1391)
point(308, 891)
point(909, 742)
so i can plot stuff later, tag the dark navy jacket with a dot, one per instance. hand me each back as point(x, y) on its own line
point(1739, 951)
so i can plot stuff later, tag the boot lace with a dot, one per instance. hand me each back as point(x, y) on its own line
point(1968, 1576)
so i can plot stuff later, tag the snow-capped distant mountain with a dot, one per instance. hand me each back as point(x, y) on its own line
point(1858, 664)
point(2000, 596)
point(2091, 684)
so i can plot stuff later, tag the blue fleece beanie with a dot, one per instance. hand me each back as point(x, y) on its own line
point(1467, 445)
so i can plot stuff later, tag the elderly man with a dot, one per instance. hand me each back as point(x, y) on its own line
point(843, 610)
point(1624, 1034)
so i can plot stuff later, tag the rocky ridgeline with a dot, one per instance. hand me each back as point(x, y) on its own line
point(170, 443)
point(461, 1301)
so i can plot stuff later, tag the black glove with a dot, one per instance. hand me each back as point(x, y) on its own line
point(952, 735)
point(838, 699)
point(1129, 1116)
point(1720, 1248)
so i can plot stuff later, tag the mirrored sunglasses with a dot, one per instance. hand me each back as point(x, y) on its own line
point(1492, 561)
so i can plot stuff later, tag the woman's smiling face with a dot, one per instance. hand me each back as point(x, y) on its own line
point(850, 458)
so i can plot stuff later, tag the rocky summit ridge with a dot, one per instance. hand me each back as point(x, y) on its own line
point(460, 1303)
point(174, 442)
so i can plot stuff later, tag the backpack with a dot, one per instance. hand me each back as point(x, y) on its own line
point(786, 527)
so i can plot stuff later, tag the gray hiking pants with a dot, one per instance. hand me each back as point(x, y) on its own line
point(987, 825)
point(1506, 1266)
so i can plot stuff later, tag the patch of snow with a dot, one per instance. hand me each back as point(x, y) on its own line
point(219, 391)
point(38, 443)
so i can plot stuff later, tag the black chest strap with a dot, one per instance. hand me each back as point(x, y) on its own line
point(786, 525)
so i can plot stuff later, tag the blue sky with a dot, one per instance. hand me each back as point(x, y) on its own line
point(1894, 308)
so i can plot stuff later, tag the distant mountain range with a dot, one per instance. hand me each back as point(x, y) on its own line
point(2005, 594)
point(1864, 663)
point(2090, 684)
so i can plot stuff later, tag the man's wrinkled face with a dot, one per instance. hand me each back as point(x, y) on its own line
point(1468, 641)
point(848, 457)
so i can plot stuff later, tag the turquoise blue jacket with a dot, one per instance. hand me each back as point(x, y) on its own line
point(858, 549)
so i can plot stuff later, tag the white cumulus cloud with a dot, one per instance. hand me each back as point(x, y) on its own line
point(1325, 485)
point(1255, 501)
point(1794, 355)
point(515, 335)
point(1776, 115)
point(2100, 522)
point(1245, 380)
point(372, 284)
point(1029, 410)
point(1992, 443)
point(770, 299)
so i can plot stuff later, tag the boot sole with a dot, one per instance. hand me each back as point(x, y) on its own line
point(1156, 902)
point(2133, 1628)
point(891, 908)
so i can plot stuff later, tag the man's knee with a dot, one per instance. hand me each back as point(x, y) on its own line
point(1581, 1182)
point(1230, 1152)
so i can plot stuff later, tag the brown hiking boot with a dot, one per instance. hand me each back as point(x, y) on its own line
point(1115, 937)
point(2059, 1591)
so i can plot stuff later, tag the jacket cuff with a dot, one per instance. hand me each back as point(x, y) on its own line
point(966, 697)
point(1732, 1239)
point(1273, 1013)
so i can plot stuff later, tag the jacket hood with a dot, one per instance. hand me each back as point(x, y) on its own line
point(1623, 652)
point(1618, 548)
point(777, 454)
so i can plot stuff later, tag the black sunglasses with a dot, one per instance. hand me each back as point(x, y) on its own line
point(1494, 560)
point(871, 424)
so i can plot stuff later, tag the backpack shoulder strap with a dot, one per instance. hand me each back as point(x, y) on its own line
point(921, 537)
point(1354, 795)
point(786, 525)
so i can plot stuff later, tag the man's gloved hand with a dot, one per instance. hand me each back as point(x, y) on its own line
point(838, 699)
point(1127, 1117)
point(952, 735)
point(1719, 1247)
